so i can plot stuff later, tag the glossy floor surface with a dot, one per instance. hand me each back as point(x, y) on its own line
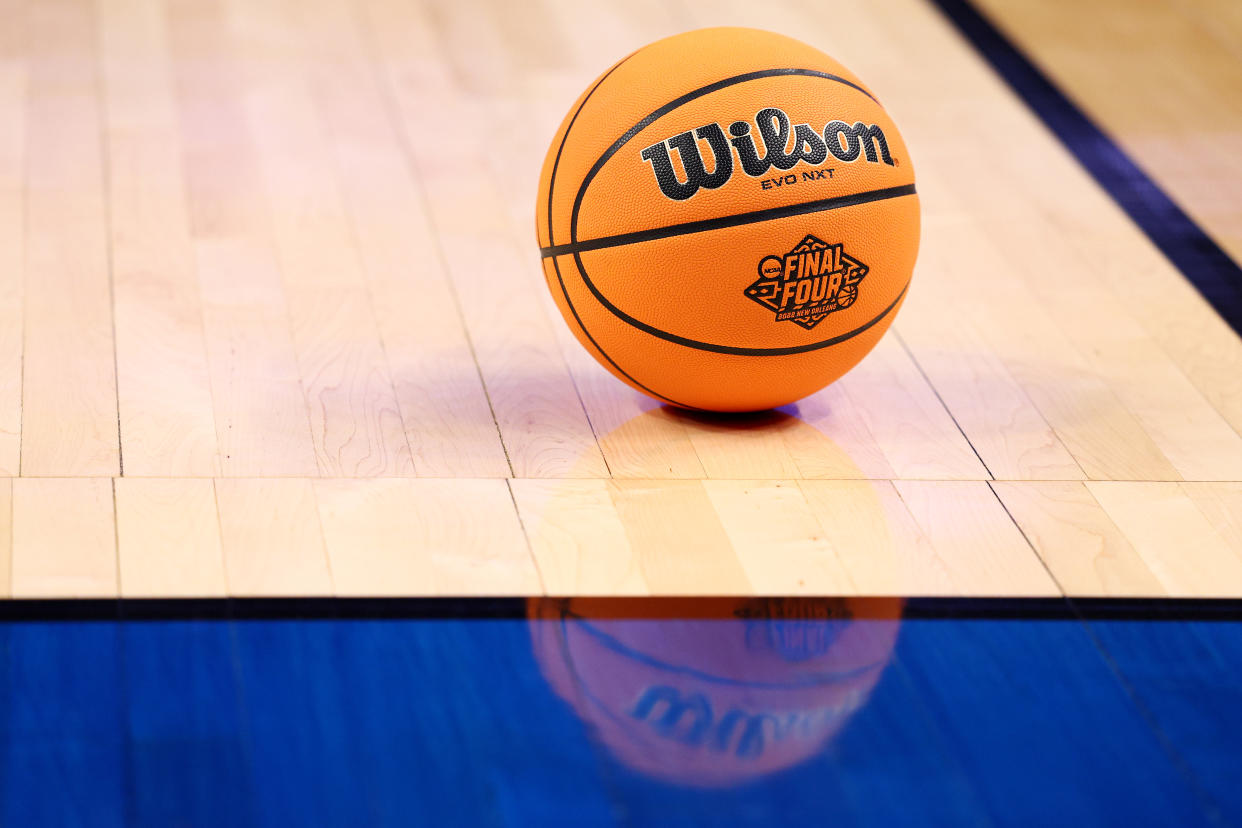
point(272, 322)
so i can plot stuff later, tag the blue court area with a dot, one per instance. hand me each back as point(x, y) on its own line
point(870, 712)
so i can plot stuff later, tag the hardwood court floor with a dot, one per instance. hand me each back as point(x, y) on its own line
point(1166, 82)
point(272, 322)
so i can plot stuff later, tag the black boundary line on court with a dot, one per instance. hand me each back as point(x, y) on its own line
point(345, 609)
point(1216, 276)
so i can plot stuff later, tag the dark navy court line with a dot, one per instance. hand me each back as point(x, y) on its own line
point(1216, 276)
point(930, 608)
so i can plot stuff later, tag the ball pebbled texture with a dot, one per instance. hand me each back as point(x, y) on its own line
point(728, 219)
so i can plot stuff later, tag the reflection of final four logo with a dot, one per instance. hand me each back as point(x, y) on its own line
point(714, 692)
point(809, 282)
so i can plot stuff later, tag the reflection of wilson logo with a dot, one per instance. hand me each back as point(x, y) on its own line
point(690, 720)
point(808, 283)
point(784, 148)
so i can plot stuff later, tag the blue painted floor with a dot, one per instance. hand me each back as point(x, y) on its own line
point(843, 712)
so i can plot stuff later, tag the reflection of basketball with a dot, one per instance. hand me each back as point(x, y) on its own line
point(714, 693)
point(728, 219)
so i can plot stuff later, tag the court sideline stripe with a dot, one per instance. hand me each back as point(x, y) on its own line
point(42, 610)
point(1216, 276)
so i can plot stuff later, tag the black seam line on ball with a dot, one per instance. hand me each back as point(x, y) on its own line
point(735, 220)
point(556, 162)
point(684, 99)
point(555, 266)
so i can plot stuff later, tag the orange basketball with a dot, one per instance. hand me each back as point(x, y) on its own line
point(728, 219)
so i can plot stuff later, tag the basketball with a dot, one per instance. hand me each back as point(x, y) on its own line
point(728, 220)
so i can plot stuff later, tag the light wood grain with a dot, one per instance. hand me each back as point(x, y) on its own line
point(167, 425)
point(272, 541)
point(1165, 88)
point(424, 537)
point(918, 436)
point(577, 538)
point(69, 408)
point(855, 452)
point(1012, 438)
point(445, 410)
point(168, 538)
point(64, 538)
point(781, 545)
point(355, 420)
point(538, 411)
point(678, 538)
point(6, 537)
point(262, 423)
point(1176, 541)
point(257, 396)
point(1082, 548)
point(1179, 421)
point(982, 549)
point(878, 541)
point(1205, 349)
point(1221, 504)
point(1165, 83)
point(13, 80)
point(1101, 434)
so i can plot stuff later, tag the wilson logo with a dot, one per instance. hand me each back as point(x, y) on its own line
point(807, 283)
point(785, 145)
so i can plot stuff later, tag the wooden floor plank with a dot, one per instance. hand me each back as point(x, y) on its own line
point(6, 537)
point(878, 542)
point(577, 538)
point(1221, 504)
point(917, 435)
point(983, 550)
point(838, 443)
point(1183, 425)
point(445, 410)
point(1100, 433)
point(540, 416)
point(64, 538)
point(777, 538)
point(260, 410)
point(424, 537)
point(69, 407)
point(1002, 424)
point(638, 437)
point(1082, 548)
point(356, 423)
point(678, 538)
point(1175, 539)
point(528, 105)
point(168, 538)
point(166, 420)
point(1178, 108)
point(13, 82)
point(272, 541)
point(1205, 349)
point(257, 396)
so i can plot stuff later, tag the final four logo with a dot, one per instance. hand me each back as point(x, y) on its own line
point(808, 283)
